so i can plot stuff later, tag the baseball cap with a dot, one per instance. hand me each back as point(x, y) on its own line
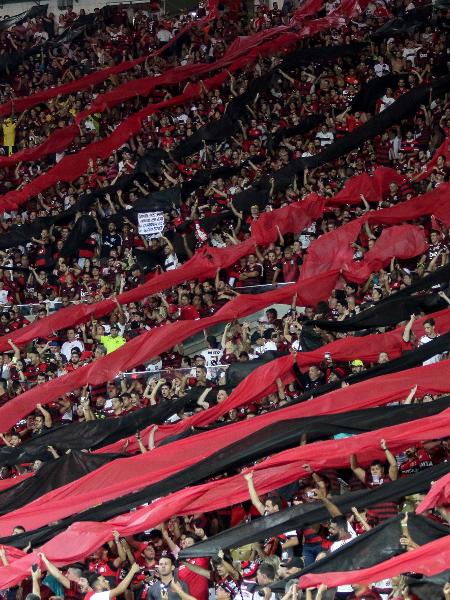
point(357, 363)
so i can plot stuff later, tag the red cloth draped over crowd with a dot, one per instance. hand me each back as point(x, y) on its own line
point(130, 474)
point(329, 263)
point(276, 471)
point(439, 495)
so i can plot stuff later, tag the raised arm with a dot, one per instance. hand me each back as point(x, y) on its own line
point(253, 495)
point(36, 582)
point(321, 495)
point(444, 296)
point(407, 332)
point(54, 571)
point(357, 470)
point(47, 416)
point(410, 397)
point(123, 585)
point(393, 468)
point(15, 349)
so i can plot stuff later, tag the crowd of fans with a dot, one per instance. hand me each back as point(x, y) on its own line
point(35, 275)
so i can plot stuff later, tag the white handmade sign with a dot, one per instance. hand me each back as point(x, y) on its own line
point(151, 223)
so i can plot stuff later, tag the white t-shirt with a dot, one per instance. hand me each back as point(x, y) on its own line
point(269, 345)
point(67, 348)
point(434, 359)
point(171, 262)
point(344, 589)
point(100, 596)
point(386, 101)
point(164, 35)
point(381, 68)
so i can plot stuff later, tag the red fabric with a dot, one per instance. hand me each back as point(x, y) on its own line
point(82, 539)
point(18, 105)
point(311, 288)
point(72, 167)
point(152, 343)
point(56, 142)
point(334, 250)
point(295, 217)
point(202, 265)
point(261, 381)
point(401, 241)
point(123, 476)
point(429, 559)
point(439, 495)
point(353, 188)
point(306, 10)
point(371, 187)
point(239, 54)
point(197, 267)
point(7, 483)
point(443, 150)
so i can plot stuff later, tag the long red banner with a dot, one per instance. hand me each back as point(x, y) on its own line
point(124, 476)
point(81, 539)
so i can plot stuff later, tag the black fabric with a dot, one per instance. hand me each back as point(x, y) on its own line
point(228, 124)
point(321, 54)
point(298, 516)
point(408, 360)
point(305, 125)
point(82, 229)
point(404, 25)
point(404, 106)
point(439, 279)
point(51, 476)
point(272, 438)
point(238, 371)
point(90, 434)
point(375, 546)
point(32, 13)
point(426, 588)
point(309, 339)
point(365, 100)
point(391, 312)
point(204, 177)
point(221, 129)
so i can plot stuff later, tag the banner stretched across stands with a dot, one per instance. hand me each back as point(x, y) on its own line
point(71, 167)
point(26, 15)
point(61, 138)
point(204, 264)
point(102, 433)
point(152, 343)
point(201, 266)
point(20, 104)
point(50, 476)
point(432, 558)
point(146, 346)
point(83, 538)
point(401, 108)
point(89, 434)
point(297, 516)
point(261, 381)
point(272, 438)
point(137, 471)
point(373, 547)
